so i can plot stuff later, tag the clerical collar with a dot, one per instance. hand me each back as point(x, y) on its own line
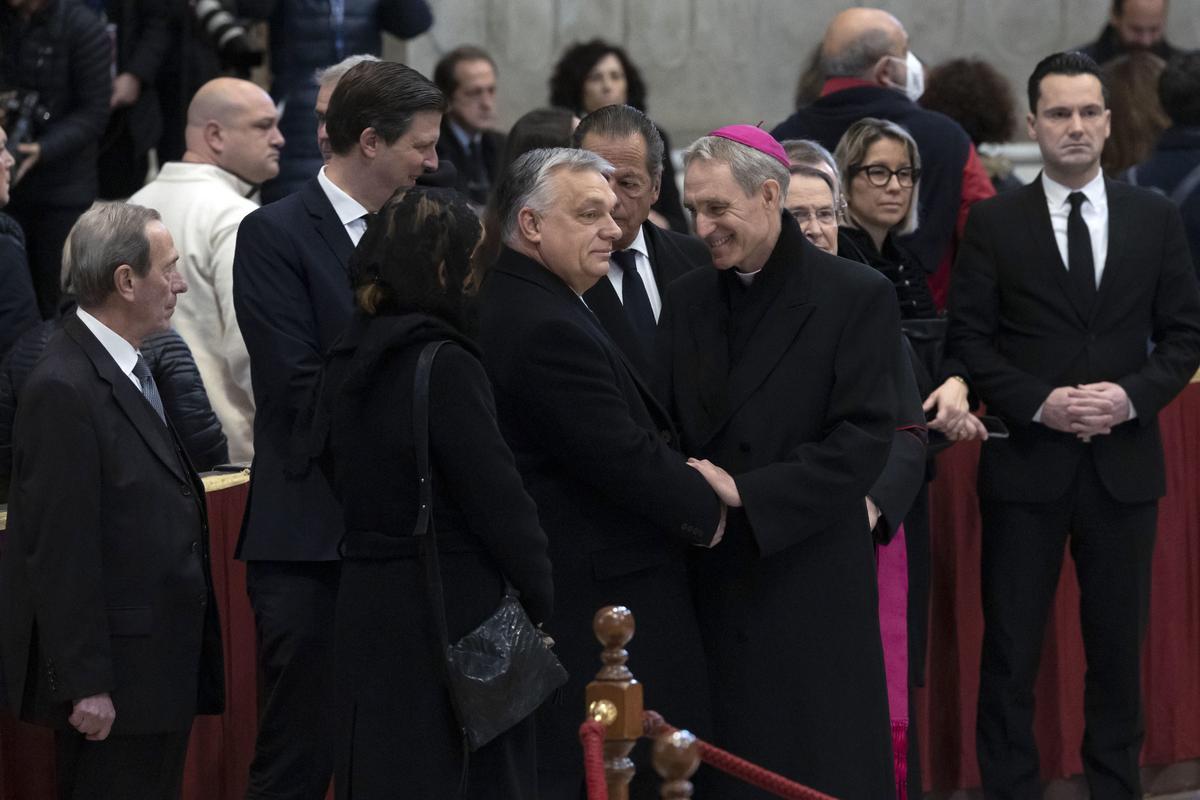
point(746, 278)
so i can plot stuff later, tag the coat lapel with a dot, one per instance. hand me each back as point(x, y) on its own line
point(603, 301)
point(708, 355)
point(1119, 216)
point(656, 254)
point(152, 430)
point(1037, 220)
point(328, 225)
point(525, 268)
point(772, 337)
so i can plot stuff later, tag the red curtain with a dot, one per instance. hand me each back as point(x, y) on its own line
point(221, 747)
point(1171, 661)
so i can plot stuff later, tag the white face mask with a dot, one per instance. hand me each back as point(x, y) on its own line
point(914, 81)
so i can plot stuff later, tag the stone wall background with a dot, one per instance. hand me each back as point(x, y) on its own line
point(715, 62)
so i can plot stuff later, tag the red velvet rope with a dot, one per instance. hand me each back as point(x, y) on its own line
point(591, 734)
point(654, 725)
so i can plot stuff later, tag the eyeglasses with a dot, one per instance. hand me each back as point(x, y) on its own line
point(879, 175)
point(823, 216)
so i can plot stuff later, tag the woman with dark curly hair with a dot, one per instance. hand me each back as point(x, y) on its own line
point(395, 727)
point(974, 94)
point(594, 74)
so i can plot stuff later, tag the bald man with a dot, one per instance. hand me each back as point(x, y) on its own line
point(870, 72)
point(1132, 25)
point(233, 145)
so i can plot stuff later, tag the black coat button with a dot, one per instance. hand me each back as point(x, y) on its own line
point(184, 490)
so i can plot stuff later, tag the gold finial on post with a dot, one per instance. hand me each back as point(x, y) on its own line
point(676, 757)
point(614, 698)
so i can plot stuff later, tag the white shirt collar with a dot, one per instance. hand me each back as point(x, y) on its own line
point(1056, 193)
point(347, 208)
point(121, 351)
point(638, 245)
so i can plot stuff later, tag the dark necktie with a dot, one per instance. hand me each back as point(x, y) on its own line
point(1079, 252)
point(149, 390)
point(635, 299)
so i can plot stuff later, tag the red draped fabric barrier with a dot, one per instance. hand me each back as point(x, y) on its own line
point(221, 747)
point(1171, 661)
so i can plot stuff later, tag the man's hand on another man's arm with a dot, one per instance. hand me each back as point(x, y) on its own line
point(723, 485)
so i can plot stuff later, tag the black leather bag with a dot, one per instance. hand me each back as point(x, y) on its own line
point(499, 673)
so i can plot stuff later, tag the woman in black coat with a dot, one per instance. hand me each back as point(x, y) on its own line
point(396, 732)
point(880, 170)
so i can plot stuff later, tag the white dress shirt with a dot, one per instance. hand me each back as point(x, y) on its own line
point(121, 351)
point(642, 258)
point(1094, 211)
point(351, 212)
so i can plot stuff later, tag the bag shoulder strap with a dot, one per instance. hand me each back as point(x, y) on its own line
point(425, 530)
point(421, 377)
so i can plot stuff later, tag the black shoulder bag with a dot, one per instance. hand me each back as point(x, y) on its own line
point(499, 673)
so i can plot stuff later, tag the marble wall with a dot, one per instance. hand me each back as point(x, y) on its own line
point(713, 62)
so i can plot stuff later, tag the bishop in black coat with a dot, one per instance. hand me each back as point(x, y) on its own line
point(784, 384)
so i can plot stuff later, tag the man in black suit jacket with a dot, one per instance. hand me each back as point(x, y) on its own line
point(778, 365)
point(292, 296)
point(619, 506)
point(1076, 332)
point(646, 258)
point(467, 76)
point(110, 631)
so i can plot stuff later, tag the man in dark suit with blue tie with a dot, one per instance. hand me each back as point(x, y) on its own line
point(1076, 312)
point(646, 257)
point(293, 299)
point(110, 631)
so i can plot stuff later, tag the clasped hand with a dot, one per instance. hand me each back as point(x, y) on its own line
point(953, 415)
point(1087, 410)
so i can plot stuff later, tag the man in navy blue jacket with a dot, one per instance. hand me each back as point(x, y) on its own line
point(870, 72)
point(293, 299)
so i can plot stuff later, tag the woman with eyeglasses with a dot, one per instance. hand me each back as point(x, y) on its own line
point(880, 169)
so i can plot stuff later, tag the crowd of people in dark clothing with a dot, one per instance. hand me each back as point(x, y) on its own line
point(741, 454)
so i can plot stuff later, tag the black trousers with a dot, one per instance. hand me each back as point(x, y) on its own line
point(293, 604)
point(1111, 544)
point(148, 767)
